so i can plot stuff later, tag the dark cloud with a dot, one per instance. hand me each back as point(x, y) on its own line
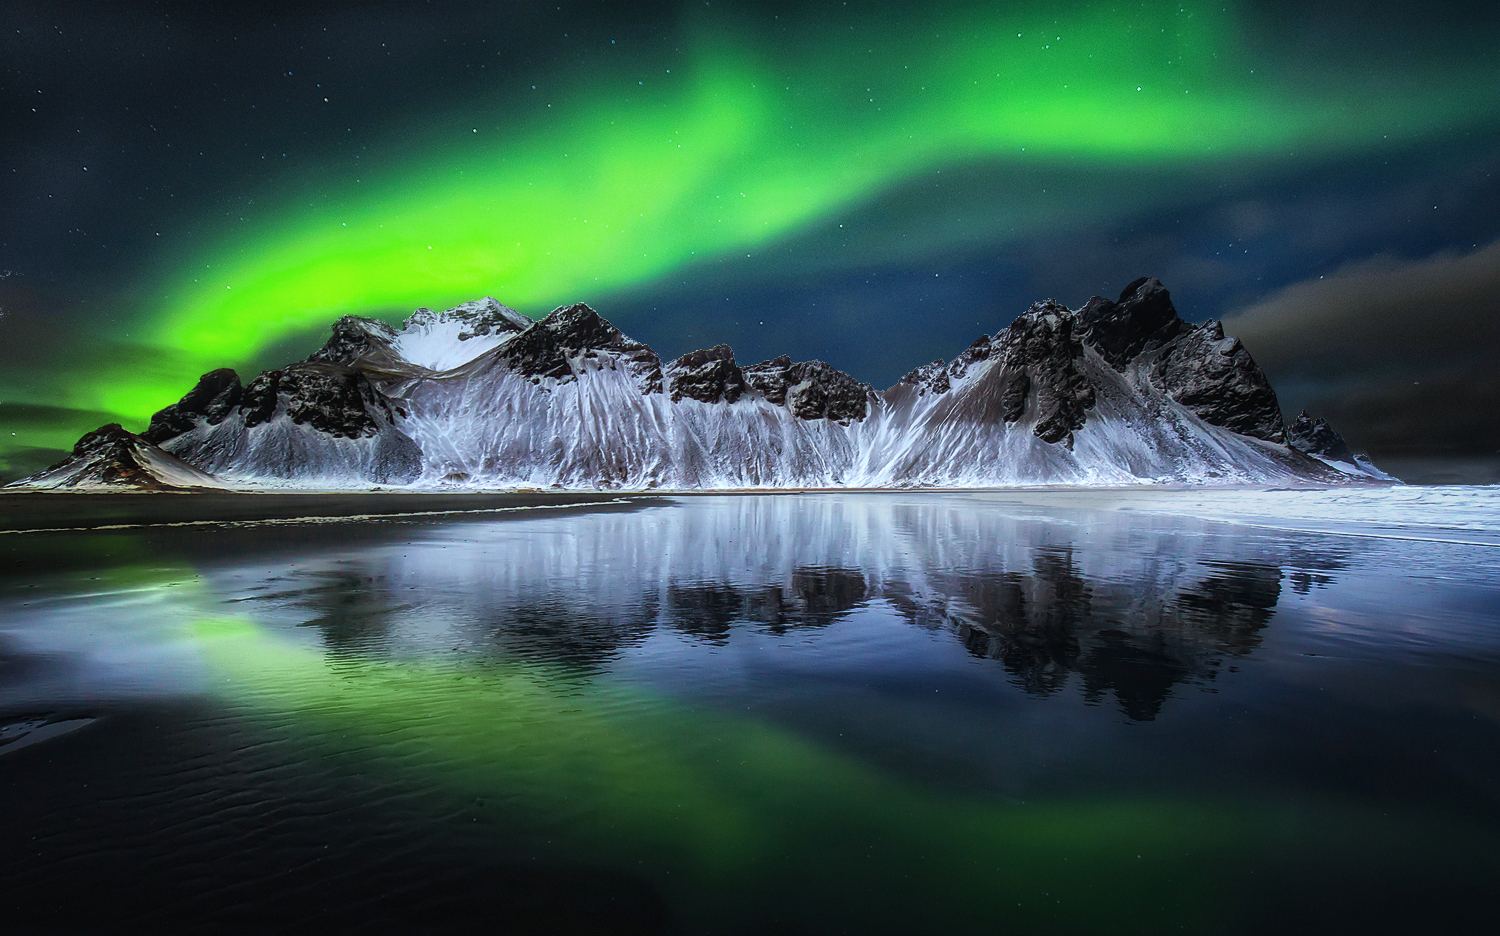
point(1399, 354)
point(1447, 414)
point(18, 463)
point(1383, 314)
point(30, 414)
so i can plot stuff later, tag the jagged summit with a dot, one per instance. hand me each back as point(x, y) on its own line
point(427, 341)
point(584, 334)
point(1117, 392)
point(214, 397)
point(810, 389)
point(478, 317)
point(580, 330)
point(1197, 366)
point(1141, 319)
point(708, 376)
point(442, 341)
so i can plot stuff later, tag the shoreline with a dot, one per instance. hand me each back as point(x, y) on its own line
point(1329, 510)
point(79, 511)
point(38, 511)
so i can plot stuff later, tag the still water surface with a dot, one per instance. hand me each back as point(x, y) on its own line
point(1047, 712)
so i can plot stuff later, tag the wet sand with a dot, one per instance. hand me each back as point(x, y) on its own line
point(36, 511)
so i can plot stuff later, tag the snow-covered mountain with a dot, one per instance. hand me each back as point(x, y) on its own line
point(1117, 392)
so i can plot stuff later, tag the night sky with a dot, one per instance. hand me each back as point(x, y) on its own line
point(189, 187)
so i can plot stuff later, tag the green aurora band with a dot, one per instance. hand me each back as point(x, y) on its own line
point(752, 137)
point(722, 812)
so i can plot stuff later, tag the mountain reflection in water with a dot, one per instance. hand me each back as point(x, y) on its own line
point(858, 712)
point(1132, 606)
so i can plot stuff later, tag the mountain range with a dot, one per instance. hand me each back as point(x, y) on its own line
point(481, 397)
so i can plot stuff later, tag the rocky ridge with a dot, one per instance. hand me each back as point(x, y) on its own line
point(1118, 391)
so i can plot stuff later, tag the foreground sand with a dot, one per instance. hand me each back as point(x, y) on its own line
point(35, 510)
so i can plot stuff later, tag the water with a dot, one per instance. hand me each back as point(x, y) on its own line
point(1005, 712)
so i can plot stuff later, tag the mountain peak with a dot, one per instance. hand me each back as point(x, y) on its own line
point(477, 316)
point(578, 328)
point(1317, 438)
point(1143, 318)
point(213, 398)
point(1215, 377)
point(441, 341)
point(112, 457)
point(708, 376)
point(811, 389)
point(352, 338)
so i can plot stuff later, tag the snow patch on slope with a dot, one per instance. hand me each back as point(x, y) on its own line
point(441, 341)
point(283, 453)
point(1360, 467)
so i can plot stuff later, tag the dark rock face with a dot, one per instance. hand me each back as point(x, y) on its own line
point(1216, 378)
point(331, 398)
point(580, 331)
point(810, 389)
point(1036, 360)
point(1043, 354)
point(931, 378)
point(1013, 398)
point(1211, 375)
point(1143, 318)
point(535, 354)
point(1316, 437)
point(577, 331)
point(771, 378)
point(823, 392)
point(353, 338)
point(215, 397)
point(709, 376)
point(978, 351)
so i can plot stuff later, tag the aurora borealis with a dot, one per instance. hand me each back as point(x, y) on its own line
point(873, 185)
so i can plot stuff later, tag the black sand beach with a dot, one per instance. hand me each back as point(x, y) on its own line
point(35, 510)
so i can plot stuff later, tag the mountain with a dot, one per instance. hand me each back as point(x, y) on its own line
point(1316, 438)
point(112, 457)
point(479, 396)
